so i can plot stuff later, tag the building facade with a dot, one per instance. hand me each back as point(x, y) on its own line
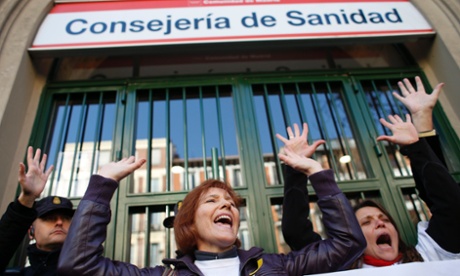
point(211, 109)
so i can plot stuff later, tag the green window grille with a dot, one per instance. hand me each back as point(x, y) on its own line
point(186, 126)
point(81, 130)
point(321, 106)
point(190, 129)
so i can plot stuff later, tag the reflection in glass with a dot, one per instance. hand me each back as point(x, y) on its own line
point(321, 106)
point(244, 233)
point(177, 129)
point(277, 214)
point(382, 103)
point(81, 139)
point(147, 249)
point(417, 208)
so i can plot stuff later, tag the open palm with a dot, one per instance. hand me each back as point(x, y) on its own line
point(33, 182)
point(404, 133)
point(298, 142)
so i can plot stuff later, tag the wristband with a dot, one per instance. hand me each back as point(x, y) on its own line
point(427, 133)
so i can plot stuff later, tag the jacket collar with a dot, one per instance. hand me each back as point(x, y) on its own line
point(206, 256)
point(188, 260)
point(37, 256)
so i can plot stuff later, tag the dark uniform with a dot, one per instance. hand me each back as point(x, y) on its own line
point(14, 226)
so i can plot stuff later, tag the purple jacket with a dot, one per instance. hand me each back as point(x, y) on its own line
point(82, 250)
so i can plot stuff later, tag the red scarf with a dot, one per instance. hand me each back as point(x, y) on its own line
point(369, 260)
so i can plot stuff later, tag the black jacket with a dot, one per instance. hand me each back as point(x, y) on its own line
point(439, 191)
point(296, 209)
point(13, 227)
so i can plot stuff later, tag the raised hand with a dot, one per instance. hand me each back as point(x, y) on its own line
point(300, 162)
point(298, 142)
point(33, 182)
point(119, 170)
point(419, 103)
point(404, 133)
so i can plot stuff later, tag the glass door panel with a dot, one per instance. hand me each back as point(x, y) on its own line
point(381, 103)
point(321, 106)
point(148, 236)
point(81, 138)
point(179, 131)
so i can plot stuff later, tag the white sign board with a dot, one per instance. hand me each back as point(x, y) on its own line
point(438, 268)
point(129, 23)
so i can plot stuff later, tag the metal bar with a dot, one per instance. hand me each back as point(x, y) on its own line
point(342, 133)
point(378, 106)
point(317, 119)
point(301, 109)
point(149, 142)
point(168, 139)
point(336, 126)
point(286, 117)
point(401, 114)
point(97, 133)
point(203, 134)
point(415, 207)
point(393, 101)
point(287, 122)
point(63, 131)
point(332, 163)
point(184, 108)
point(374, 97)
point(215, 163)
point(422, 205)
point(168, 234)
point(272, 132)
point(221, 132)
point(303, 116)
point(147, 236)
point(79, 139)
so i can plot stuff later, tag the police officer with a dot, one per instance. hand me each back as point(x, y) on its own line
point(46, 221)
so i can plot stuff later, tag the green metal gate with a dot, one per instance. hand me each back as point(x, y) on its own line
point(190, 129)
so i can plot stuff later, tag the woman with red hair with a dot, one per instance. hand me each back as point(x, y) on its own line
point(206, 229)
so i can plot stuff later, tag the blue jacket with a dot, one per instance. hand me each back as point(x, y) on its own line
point(82, 250)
